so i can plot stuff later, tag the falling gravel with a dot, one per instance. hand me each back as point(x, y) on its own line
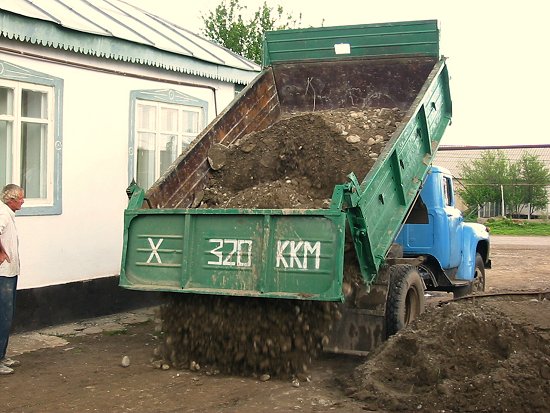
point(295, 163)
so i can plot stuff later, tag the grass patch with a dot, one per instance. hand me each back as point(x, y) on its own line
point(507, 226)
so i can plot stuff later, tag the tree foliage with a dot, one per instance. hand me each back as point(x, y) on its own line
point(523, 183)
point(228, 26)
point(536, 176)
point(483, 177)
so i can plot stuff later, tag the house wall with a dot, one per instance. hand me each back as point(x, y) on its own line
point(84, 242)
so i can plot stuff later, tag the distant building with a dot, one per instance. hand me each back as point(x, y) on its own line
point(453, 157)
point(94, 94)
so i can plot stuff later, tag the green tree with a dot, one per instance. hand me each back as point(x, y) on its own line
point(523, 182)
point(535, 178)
point(482, 178)
point(513, 191)
point(227, 27)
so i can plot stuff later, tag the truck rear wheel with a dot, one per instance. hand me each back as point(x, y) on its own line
point(405, 297)
point(478, 283)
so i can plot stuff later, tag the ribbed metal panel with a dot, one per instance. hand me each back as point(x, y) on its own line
point(389, 189)
point(414, 38)
point(120, 31)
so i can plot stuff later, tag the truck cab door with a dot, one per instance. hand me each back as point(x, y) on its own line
point(454, 222)
point(442, 236)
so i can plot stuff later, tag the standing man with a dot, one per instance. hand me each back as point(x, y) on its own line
point(12, 200)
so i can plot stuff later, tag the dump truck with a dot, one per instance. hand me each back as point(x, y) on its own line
point(241, 268)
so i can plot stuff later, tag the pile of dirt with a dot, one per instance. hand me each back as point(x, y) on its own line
point(461, 356)
point(297, 162)
point(293, 164)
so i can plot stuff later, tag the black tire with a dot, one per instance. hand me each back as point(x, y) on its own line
point(478, 286)
point(478, 283)
point(405, 297)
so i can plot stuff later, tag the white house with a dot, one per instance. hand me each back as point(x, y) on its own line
point(92, 95)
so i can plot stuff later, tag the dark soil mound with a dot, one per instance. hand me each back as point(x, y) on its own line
point(460, 357)
point(297, 162)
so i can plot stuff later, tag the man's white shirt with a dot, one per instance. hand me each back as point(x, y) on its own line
point(10, 241)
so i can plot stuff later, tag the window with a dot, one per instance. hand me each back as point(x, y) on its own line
point(162, 131)
point(448, 191)
point(29, 140)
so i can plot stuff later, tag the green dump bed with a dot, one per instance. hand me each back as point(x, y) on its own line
point(171, 246)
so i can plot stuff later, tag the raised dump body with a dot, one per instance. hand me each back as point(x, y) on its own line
point(170, 245)
point(267, 288)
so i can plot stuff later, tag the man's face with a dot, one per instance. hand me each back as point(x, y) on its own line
point(17, 203)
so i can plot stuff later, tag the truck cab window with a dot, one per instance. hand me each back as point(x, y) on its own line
point(447, 191)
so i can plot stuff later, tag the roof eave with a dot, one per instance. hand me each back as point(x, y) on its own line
point(47, 34)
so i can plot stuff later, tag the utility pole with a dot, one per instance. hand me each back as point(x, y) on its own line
point(502, 197)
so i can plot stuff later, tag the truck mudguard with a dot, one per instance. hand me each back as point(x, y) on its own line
point(472, 236)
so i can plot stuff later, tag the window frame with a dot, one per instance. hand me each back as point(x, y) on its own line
point(24, 78)
point(448, 193)
point(169, 98)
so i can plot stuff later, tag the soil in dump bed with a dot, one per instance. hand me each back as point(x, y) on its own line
point(293, 164)
point(297, 162)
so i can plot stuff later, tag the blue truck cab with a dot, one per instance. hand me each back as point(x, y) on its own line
point(454, 253)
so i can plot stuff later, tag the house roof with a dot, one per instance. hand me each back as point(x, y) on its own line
point(115, 29)
point(453, 157)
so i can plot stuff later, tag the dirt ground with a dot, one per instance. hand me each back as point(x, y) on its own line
point(489, 355)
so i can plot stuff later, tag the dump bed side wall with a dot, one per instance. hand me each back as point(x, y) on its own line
point(255, 108)
point(357, 84)
point(384, 197)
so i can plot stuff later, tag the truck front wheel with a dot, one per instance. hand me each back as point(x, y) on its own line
point(478, 283)
point(405, 297)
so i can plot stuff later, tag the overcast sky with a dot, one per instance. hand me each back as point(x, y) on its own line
point(497, 55)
